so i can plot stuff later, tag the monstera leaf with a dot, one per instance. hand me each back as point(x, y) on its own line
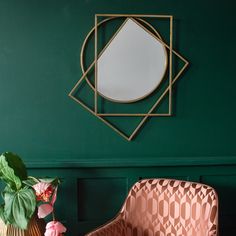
point(12, 170)
point(19, 206)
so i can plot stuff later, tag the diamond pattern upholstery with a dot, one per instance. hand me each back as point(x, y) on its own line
point(165, 207)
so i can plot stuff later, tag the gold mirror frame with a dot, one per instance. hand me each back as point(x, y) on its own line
point(168, 90)
point(165, 62)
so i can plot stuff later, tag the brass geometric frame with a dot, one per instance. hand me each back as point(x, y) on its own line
point(82, 57)
point(93, 64)
point(157, 38)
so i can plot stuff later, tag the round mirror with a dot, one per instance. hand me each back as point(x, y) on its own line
point(132, 65)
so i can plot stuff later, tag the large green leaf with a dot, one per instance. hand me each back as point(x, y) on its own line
point(16, 163)
point(8, 196)
point(12, 170)
point(30, 181)
point(19, 206)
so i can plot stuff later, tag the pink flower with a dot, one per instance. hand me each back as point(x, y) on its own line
point(44, 210)
point(43, 191)
point(54, 228)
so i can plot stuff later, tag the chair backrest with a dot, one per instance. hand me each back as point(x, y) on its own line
point(167, 207)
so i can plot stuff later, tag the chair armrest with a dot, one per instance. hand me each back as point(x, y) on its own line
point(116, 227)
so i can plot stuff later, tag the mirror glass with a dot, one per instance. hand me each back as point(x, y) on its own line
point(132, 65)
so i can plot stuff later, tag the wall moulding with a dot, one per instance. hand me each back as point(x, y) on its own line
point(133, 162)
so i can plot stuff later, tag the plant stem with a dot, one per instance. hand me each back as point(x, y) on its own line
point(31, 177)
point(53, 216)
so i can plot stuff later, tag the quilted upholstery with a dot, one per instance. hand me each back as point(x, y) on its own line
point(165, 207)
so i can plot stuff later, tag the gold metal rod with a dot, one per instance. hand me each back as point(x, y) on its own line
point(132, 114)
point(95, 52)
point(170, 66)
point(134, 15)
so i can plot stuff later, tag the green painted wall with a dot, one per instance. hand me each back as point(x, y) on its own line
point(40, 42)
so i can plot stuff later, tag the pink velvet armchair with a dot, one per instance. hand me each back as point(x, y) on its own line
point(165, 207)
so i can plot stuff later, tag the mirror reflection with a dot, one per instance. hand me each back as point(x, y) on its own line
point(132, 65)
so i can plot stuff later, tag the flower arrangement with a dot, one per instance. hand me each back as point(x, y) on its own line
point(24, 195)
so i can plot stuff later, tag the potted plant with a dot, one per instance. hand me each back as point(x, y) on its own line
point(26, 199)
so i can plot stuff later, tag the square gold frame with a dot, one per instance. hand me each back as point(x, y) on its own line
point(169, 47)
point(167, 90)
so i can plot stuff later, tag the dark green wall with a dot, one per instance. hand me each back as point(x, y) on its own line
point(40, 42)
